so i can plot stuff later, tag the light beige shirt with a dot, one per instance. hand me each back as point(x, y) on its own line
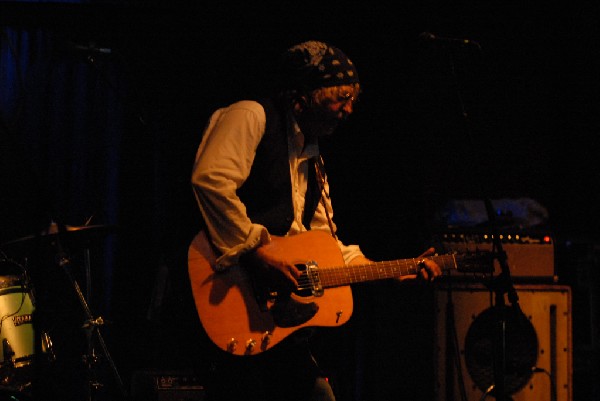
point(223, 162)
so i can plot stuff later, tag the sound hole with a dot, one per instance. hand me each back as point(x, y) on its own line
point(520, 352)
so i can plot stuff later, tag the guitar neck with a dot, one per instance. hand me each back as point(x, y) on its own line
point(345, 275)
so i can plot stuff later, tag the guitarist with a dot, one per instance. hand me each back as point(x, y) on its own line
point(257, 176)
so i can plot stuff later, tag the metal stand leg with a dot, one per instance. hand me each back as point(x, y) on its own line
point(92, 330)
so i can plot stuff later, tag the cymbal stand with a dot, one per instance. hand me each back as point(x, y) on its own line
point(92, 330)
point(88, 274)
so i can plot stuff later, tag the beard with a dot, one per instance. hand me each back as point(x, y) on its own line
point(317, 122)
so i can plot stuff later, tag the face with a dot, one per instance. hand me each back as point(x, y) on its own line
point(327, 108)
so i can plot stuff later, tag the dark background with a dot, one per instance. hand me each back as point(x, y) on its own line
point(103, 105)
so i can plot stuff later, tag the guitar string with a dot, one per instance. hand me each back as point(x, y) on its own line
point(359, 273)
point(354, 274)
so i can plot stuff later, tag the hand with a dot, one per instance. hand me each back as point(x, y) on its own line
point(429, 269)
point(270, 255)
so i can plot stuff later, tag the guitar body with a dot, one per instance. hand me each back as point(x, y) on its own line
point(243, 318)
point(227, 304)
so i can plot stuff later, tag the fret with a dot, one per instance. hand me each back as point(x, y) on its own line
point(344, 275)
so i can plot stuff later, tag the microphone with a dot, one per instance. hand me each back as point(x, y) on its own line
point(430, 37)
point(91, 48)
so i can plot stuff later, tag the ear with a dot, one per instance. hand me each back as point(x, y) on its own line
point(300, 103)
point(302, 100)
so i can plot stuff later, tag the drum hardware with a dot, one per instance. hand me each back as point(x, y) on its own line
point(59, 237)
point(7, 353)
point(91, 359)
point(92, 324)
point(7, 364)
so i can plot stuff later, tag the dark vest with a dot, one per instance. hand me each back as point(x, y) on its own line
point(267, 192)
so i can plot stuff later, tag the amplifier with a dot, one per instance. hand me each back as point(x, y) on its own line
point(166, 386)
point(528, 255)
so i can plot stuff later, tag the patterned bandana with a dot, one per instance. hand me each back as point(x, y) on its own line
point(312, 64)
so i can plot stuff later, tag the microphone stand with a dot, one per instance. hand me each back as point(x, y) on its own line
point(502, 283)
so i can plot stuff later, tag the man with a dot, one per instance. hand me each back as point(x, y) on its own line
point(259, 180)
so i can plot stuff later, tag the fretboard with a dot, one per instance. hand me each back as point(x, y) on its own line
point(344, 275)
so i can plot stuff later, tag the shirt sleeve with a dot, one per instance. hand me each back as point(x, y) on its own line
point(223, 162)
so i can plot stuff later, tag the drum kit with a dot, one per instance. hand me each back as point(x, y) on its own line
point(26, 341)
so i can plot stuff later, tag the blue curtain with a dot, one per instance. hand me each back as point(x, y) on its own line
point(61, 121)
point(88, 141)
point(61, 117)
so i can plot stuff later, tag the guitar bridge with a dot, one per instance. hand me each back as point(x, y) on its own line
point(312, 273)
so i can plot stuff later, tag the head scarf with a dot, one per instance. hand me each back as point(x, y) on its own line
point(312, 64)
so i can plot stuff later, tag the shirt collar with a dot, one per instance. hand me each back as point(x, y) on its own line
point(297, 138)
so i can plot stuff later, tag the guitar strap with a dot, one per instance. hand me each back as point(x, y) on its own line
point(321, 179)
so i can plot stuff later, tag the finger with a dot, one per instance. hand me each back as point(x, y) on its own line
point(294, 271)
point(293, 274)
point(292, 279)
point(432, 270)
point(422, 272)
point(428, 252)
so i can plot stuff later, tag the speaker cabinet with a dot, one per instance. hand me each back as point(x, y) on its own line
point(537, 335)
